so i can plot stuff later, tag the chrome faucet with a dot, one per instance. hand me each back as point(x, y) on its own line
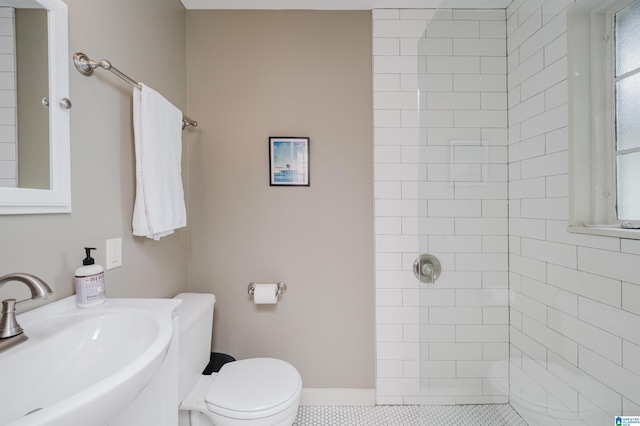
point(9, 327)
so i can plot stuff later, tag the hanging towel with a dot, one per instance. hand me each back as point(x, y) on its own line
point(157, 129)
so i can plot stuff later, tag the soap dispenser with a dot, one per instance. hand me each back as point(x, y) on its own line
point(89, 282)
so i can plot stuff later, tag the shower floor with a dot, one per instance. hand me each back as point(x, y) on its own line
point(410, 415)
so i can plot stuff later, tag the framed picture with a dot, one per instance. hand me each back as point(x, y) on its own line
point(288, 161)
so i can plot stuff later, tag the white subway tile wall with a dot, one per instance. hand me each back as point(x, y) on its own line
point(8, 139)
point(574, 311)
point(440, 118)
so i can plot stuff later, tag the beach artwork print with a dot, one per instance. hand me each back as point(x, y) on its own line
point(289, 161)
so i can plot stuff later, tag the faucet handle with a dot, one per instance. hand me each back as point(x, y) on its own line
point(9, 326)
point(8, 323)
point(427, 268)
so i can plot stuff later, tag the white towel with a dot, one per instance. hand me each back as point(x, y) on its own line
point(157, 129)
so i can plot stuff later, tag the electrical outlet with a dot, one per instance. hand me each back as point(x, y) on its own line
point(114, 253)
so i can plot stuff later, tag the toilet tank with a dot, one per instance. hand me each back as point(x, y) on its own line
point(194, 344)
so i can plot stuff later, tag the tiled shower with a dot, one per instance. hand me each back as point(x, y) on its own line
point(471, 164)
point(441, 172)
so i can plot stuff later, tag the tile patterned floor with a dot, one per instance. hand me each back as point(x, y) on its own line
point(409, 415)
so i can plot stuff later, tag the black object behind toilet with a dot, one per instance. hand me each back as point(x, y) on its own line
point(216, 361)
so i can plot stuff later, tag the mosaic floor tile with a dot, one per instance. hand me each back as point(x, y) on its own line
point(409, 415)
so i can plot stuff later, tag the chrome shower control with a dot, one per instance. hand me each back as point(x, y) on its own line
point(427, 268)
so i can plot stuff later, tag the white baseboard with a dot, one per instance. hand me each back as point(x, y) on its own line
point(342, 397)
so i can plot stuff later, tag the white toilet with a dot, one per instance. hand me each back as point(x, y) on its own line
point(250, 392)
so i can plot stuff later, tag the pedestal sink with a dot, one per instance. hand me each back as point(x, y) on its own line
point(83, 366)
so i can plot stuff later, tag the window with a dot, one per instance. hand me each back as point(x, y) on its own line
point(604, 121)
point(625, 85)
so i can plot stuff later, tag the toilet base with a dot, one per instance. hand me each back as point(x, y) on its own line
point(194, 411)
point(196, 418)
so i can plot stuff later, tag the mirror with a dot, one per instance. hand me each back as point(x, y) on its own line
point(32, 85)
point(34, 138)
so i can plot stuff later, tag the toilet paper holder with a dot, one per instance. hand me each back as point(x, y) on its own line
point(281, 288)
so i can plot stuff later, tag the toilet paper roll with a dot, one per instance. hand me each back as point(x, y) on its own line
point(265, 294)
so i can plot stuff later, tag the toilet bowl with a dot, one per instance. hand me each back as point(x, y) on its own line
point(257, 392)
point(249, 392)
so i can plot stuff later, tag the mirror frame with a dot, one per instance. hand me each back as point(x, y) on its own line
point(56, 199)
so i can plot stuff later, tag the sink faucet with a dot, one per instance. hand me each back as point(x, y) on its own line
point(9, 326)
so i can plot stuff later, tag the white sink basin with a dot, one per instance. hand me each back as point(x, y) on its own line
point(83, 366)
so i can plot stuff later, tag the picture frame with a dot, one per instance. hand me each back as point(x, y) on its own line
point(288, 161)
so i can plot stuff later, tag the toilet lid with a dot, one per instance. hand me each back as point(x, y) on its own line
point(251, 385)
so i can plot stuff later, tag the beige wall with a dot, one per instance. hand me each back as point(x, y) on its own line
point(285, 73)
point(146, 39)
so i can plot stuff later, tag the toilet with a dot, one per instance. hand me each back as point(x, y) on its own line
point(249, 392)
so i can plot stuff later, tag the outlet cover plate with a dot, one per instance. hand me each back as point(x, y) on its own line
point(114, 253)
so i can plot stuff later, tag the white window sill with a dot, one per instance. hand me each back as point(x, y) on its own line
point(606, 231)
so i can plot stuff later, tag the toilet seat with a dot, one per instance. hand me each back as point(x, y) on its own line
point(253, 388)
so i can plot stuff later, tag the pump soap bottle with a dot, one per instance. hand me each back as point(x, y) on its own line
point(89, 282)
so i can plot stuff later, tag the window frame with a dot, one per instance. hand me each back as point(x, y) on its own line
point(592, 118)
point(612, 80)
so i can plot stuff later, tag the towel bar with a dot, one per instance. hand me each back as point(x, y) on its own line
point(85, 66)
